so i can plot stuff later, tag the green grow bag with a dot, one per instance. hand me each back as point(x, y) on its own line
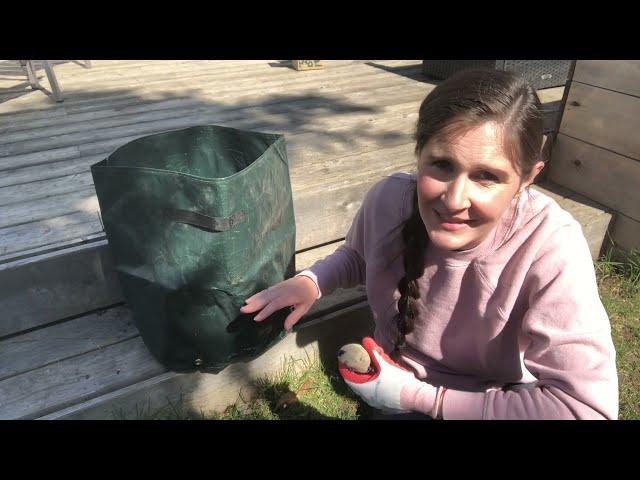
point(197, 221)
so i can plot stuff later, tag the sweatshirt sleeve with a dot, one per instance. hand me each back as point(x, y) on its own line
point(378, 216)
point(569, 346)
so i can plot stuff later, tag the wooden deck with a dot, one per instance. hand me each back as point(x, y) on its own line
point(364, 110)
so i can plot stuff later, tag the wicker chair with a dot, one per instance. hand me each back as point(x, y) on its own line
point(540, 73)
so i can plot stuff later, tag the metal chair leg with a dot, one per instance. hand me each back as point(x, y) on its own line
point(31, 74)
point(53, 81)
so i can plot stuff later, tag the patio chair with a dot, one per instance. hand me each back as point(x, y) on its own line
point(53, 81)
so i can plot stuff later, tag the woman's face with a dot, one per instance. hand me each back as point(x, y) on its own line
point(465, 185)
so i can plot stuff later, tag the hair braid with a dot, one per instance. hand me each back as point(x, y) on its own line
point(414, 235)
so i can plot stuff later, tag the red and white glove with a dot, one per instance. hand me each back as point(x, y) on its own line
point(391, 387)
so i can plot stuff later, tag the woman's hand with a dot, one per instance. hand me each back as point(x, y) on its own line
point(391, 387)
point(297, 292)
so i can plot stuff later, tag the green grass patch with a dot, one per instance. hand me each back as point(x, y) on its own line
point(619, 286)
point(305, 392)
point(300, 390)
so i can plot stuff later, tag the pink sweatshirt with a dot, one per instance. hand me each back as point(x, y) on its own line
point(521, 307)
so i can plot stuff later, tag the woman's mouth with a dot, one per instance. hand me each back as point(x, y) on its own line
point(451, 224)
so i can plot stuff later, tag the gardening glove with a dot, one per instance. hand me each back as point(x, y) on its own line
point(391, 387)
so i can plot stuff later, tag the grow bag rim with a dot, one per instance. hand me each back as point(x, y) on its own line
point(279, 138)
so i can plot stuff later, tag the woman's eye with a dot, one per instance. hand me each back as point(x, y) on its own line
point(442, 164)
point(486, 177)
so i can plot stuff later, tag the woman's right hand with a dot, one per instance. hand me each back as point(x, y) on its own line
point(297, 292)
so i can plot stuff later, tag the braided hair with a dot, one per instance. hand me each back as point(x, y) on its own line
point(414, 236)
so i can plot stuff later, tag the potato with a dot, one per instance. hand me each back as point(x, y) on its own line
point(355, 357)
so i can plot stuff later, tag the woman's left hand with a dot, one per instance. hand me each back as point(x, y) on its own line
point(391, 387)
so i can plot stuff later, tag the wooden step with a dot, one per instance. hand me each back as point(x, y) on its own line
point(203, 392)
point(98, 356)
point(97, 366)
point(594, 218)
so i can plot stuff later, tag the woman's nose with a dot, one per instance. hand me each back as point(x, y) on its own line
point(456, 196)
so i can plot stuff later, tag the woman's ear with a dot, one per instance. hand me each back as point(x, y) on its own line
point(537, 168)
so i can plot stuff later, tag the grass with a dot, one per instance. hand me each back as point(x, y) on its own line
point(301, 390)
point(619, 285)
point(308, 390)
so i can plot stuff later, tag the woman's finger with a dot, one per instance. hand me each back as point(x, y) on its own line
point(254, 307)
point(293, 317)
point(257, 301)
point(256, 296)
point(273, 306)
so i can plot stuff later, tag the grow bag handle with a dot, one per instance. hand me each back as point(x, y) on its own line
point(214, 224)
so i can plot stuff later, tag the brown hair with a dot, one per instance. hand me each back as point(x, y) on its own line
point(463, 101)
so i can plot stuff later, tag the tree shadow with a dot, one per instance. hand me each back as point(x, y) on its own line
point(412, 72)
point(15, 91)
point(282, 64)
point(287, 404)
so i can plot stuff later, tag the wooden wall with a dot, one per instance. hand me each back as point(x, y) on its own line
point(597, 150)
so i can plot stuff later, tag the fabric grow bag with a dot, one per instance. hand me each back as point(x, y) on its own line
point(197, 221)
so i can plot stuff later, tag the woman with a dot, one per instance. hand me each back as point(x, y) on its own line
point(482, 290)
